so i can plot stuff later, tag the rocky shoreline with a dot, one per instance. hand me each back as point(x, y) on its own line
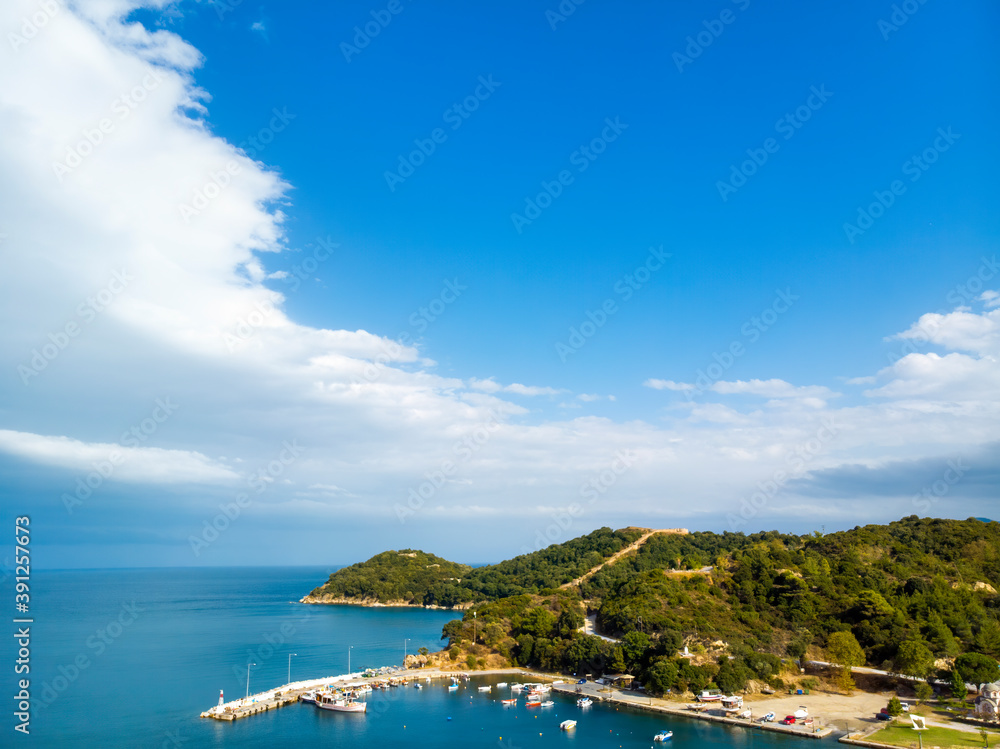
point(375, 603)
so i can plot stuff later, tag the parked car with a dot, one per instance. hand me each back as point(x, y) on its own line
point(883, 715)
point(582, 681)
point(788, 720)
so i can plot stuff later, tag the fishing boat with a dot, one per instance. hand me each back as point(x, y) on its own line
point(485, 689)
point(309, 696)
point(584, 702)
point(547, 703)
point(567, 725)
point(533, 703)
point(663, 736)
point(328, 701)
point(510, 701)
point(710, 695)
point(732, 704)
point(697, 707)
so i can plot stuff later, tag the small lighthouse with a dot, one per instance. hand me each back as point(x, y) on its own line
point(221, 701)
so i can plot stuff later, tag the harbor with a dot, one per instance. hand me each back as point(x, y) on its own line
point(393, 678)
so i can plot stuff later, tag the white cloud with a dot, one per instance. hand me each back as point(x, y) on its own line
point(197, 322)
point(146, 465)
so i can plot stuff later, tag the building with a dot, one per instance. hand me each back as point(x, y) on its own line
point(988, 701)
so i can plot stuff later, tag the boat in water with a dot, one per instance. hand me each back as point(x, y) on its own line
point(533, 703)
point(338, 703)
point(510, 702)
point(516, 687)
point(663, 736)
point(501, 685)
point(567, 725)
point(485, 689)
point(547, 703)
point(453, 687)
point(309, 697)
point(584, 702)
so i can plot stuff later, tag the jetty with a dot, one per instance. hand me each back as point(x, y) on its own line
point(600, 693)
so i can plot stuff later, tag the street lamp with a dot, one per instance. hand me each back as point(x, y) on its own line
point(350, 647)
point(248, 678)
point(404, 650)
point(290, 667)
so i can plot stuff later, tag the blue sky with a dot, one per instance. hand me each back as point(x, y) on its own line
point(759, 320)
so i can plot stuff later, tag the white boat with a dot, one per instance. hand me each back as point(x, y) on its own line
point(328, 701)
point(663, 736)
point(566, 725)
point(802, 712)
point(547, 703)
point(768, 718)
point(418, 685)
point(453, 687)
point(501, 685)
point(732, 703)
point(710, 695)
point(309, 696)
point(584, 702)
point(746, 714)
point(510, 701)
point(516, 687)
point(485, 689)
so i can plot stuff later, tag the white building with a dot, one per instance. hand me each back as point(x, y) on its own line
point(988, 701)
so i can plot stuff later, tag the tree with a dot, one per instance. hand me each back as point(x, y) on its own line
point(895, 707)
point(452, 631)
point(913, 658)
point(977, 668)
point(423, 651)
point(844, 650)
point(661, 676)
point(958, 688)
point(634, 646)
point(924, 691)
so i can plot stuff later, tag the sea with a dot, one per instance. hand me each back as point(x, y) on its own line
point(130, 658)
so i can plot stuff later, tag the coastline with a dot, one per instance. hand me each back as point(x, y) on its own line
point(372, 603)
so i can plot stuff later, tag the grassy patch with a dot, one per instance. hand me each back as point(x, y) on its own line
point(904, 735)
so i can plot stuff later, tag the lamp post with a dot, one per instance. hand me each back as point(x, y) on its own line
point(248, 678)
point(404, 650)
point(290, 667)
point(350, 647)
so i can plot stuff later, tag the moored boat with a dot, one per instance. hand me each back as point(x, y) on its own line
point(330, 701)
point(566, 725)
point(485, 689)
point(309, 696)
point(510, 702)
point(584, 702)
point(663, 736)
point(547, 703)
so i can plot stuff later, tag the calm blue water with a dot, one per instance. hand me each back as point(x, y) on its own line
point(129, 658)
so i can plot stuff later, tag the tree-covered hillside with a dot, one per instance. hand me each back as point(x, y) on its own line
point(912, 594)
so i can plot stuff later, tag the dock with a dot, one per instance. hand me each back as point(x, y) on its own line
point(604, 694)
